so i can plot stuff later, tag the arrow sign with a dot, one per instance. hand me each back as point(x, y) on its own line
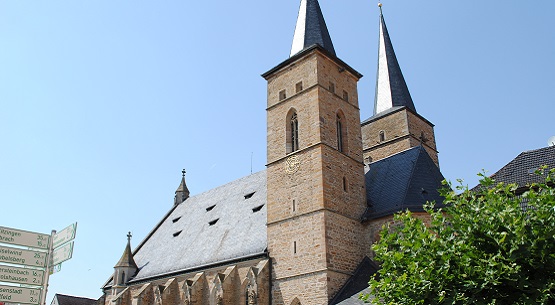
point(19, 295)
point(55, 269)
point(64, 235)
point(22, 257)
point(23, 238)
point(63, 253)
point(21, 276)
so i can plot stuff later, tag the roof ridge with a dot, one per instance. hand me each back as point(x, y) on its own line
point(395, 154)
point(228, 183)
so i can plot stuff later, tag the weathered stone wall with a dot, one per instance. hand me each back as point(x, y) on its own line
point(227, 285)
point(402, 130)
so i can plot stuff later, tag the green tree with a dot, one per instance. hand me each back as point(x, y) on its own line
point(482, 248)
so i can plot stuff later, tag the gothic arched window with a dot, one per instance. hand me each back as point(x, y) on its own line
point(292, 132)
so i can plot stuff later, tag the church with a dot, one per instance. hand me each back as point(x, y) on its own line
point(299, 232)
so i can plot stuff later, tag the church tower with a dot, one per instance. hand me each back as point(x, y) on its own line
point(315, 171)
point(396, 125)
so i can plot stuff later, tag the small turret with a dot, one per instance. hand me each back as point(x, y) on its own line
point(125, 269)
point(182, 192)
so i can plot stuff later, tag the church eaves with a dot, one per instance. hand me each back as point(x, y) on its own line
point(391, 88)
point(311, 29)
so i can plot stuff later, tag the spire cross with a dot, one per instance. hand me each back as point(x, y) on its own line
point(129, 236)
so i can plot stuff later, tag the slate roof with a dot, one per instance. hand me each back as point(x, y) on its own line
point(311, 29)
point(521, 169)
point(228, 222)
point(356, 285)
point(71, 300)
point(391, 91)
point(402, 181)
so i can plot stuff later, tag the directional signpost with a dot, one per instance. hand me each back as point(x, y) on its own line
point(23, 257)
point(62, 253)
point(21, 275)
point(44, 257)
point(14, 294)
point(23, 238)
point(64, 235)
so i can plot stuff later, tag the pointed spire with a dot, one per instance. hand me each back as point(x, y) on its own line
point(182, 192)
point(391, 88)
point(311, 29)
point(126, 259)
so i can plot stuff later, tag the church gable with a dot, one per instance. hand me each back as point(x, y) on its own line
point(406, 180)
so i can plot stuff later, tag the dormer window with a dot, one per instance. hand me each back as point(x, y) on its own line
point(213, 222)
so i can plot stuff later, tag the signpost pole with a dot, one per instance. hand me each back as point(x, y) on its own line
point(48, 267)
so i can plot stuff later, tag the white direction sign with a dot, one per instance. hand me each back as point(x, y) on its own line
point(23, 238)
point(55, 269)
point(22, 257)
point(21, 275)
point(19, 295)
point(63, 253)
point(64, 235)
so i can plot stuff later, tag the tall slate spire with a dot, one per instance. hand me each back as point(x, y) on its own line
point(311, 29)
point(391, 89)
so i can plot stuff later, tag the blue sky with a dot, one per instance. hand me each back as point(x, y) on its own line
point(104, 102)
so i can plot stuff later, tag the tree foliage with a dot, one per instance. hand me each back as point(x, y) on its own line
point(485, 247)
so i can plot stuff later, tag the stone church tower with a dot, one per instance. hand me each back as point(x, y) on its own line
point(395, 125)
point(315, 171)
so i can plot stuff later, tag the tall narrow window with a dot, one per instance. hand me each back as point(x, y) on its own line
point(382, 136)
point(339, 134)
point(299, 87)
point(122, 280)
point(282, 95)
point(345, 96)
point(332, 87)
point(294, 125)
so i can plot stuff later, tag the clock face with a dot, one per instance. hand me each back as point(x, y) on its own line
point(292, 164)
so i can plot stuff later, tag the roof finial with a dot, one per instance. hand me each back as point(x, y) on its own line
point(380, 6)
point(183, 172)
point(129, 236)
